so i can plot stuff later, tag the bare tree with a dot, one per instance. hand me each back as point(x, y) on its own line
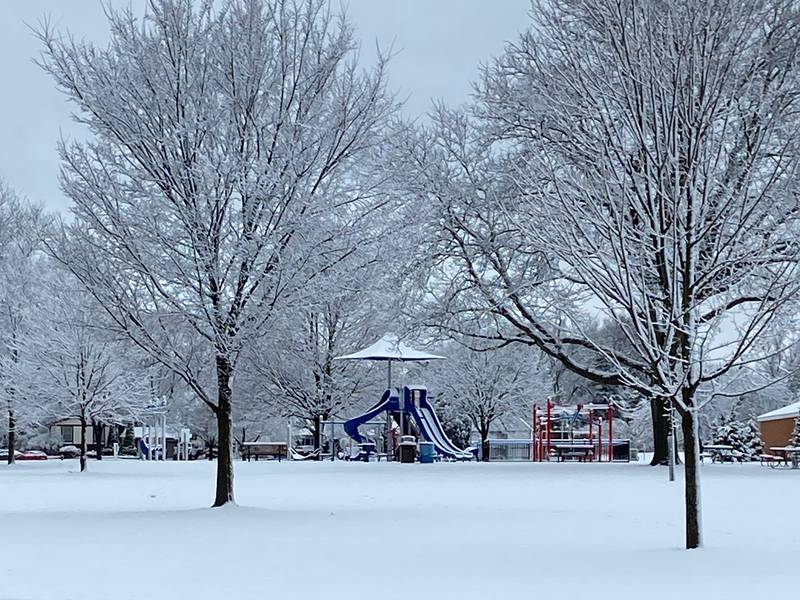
point(660, 169)
point(74, 368)
point(489, 385)
point(633, 162)
point(230, 145)
point(300, 373)
point(22, 226)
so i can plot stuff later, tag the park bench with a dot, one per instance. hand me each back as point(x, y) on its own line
point(788, 455)
point(772, 460)
point(721, 453)
point(264, 449)
point(573, 452)
point(573, 455)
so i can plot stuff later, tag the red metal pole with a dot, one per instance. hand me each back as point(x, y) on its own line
point(600, 440)
point(533, 435)
point(591, 439)
point(549, 427)
point(540, 440)
point(610, 435)
point(541, 443)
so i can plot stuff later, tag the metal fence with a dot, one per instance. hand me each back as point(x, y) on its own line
point(509, 450)
point(520, 450)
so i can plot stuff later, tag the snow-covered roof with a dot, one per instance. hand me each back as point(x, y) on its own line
point(786, 412)
point(389, 347)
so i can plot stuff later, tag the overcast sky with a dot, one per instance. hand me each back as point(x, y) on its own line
point(439, 45)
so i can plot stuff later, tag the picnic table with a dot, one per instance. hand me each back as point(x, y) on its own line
point(721, 453)
point(575, 451)
point(789, 454)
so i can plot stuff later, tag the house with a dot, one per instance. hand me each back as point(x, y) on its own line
point(777, 426)
point(69, 430)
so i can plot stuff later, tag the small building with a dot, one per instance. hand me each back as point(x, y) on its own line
point(69, 432)
point(777, 426)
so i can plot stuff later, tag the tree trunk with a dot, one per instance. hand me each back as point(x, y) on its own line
point(484, 450)
point(12, 437)
point(318, 432)
point(660, 432)
point(325, 417)
point(691, 448)
point(659, 413)
point(224, 493)
point(97, 433)
point(83, 444)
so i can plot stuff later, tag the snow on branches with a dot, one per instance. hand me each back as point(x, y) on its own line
point(228, 168)
point(633, 162)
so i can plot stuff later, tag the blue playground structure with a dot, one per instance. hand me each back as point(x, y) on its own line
point(419, 411)
point(145, 451)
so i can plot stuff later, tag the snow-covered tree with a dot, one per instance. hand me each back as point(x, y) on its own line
point(489, 384)
point(231, 143)
point(794, 440)
point(662, 173)
point(634, 159)
point(302, 376)
point(75, 369)
point(742, 434)
point(348, 309)
point(457, 425)
point(22, 227)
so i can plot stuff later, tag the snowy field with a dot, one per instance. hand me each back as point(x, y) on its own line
point(130, 529)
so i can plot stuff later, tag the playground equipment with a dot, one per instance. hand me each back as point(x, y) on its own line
point(390, 349)
point(152, 444)
point(418, 411)
point(153, 441)
point(184, 443)
point(149, 451)
point(583, 432)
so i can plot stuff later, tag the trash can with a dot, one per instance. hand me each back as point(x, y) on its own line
point(408, 452)
point(427, 452)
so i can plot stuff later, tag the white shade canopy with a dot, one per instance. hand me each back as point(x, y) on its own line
point(390, 348)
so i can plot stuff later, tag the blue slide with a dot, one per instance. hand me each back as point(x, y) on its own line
point(387, 403)
point(144, 450)
point(430, 428)
point(424, 416)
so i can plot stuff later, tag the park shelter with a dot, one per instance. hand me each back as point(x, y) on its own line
point(777, 425)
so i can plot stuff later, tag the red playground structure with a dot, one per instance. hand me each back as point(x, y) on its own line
point(584, 432)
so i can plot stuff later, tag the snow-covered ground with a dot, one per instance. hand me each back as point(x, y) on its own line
point(130, 529)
